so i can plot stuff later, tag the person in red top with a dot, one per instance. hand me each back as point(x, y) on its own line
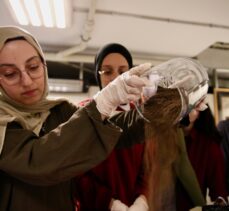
point(117, 183)
point(223, 127)
point(203, 145)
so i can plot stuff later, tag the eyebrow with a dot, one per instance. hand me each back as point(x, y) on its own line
point(13, 65)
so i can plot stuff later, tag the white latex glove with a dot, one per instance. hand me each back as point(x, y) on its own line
point(140, 204)
point(149, 91)
point(125, 88)
point(201, 106)
point(117, 205)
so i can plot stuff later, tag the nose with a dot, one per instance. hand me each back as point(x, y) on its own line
point(26, 79)
point(114, 75)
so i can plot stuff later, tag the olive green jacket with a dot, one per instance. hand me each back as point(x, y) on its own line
point(36, 172)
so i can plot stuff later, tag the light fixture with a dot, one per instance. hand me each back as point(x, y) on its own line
point(65, 85)
point(48, 13)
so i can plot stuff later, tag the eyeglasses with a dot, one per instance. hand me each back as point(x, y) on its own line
point(12, 75)
point(110, 71)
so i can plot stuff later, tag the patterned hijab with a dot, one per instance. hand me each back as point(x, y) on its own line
point(29, 117)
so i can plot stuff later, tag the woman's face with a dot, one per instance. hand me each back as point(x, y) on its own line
point(19, 60)
point(113, 65)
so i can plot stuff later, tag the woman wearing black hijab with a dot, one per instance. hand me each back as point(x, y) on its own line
point(124, 62)
point(117, 183)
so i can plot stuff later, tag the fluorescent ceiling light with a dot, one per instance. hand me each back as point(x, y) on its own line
point(32, 12)
point(45, 8)
point(59, 13)
point(19, 12)
point(65, 85)
point(48, 13)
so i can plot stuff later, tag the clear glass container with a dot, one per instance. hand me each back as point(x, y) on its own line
point(189, 76)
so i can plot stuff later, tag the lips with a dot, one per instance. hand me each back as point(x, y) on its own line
point(30, 93)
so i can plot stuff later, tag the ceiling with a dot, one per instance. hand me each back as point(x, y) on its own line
point(153, 30)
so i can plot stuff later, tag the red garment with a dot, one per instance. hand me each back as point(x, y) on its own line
point(207, 159)
point(120, 176)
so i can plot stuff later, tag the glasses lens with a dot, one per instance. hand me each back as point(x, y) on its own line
point(10, 75)
point(106, 72)
point(35, 68)
point(111, 72)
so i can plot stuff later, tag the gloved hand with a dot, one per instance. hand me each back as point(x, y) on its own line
point(117, 205)
point(125, 88)
point(140, 204)
point(201, 106)
point(149, 91)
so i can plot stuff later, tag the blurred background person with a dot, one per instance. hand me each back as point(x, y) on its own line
point(223, 127)
point(203, 143)
point(118, 182)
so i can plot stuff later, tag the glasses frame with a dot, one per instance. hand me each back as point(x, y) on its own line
point(41, 65)
point(111, 71)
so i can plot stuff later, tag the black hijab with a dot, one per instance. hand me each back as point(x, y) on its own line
point(108, 49)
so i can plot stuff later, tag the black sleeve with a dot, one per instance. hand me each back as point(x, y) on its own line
point(133, 128)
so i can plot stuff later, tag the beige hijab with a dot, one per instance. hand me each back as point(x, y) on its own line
point(30, 117)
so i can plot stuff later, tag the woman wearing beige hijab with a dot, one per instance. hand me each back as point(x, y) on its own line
point(44, 143)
